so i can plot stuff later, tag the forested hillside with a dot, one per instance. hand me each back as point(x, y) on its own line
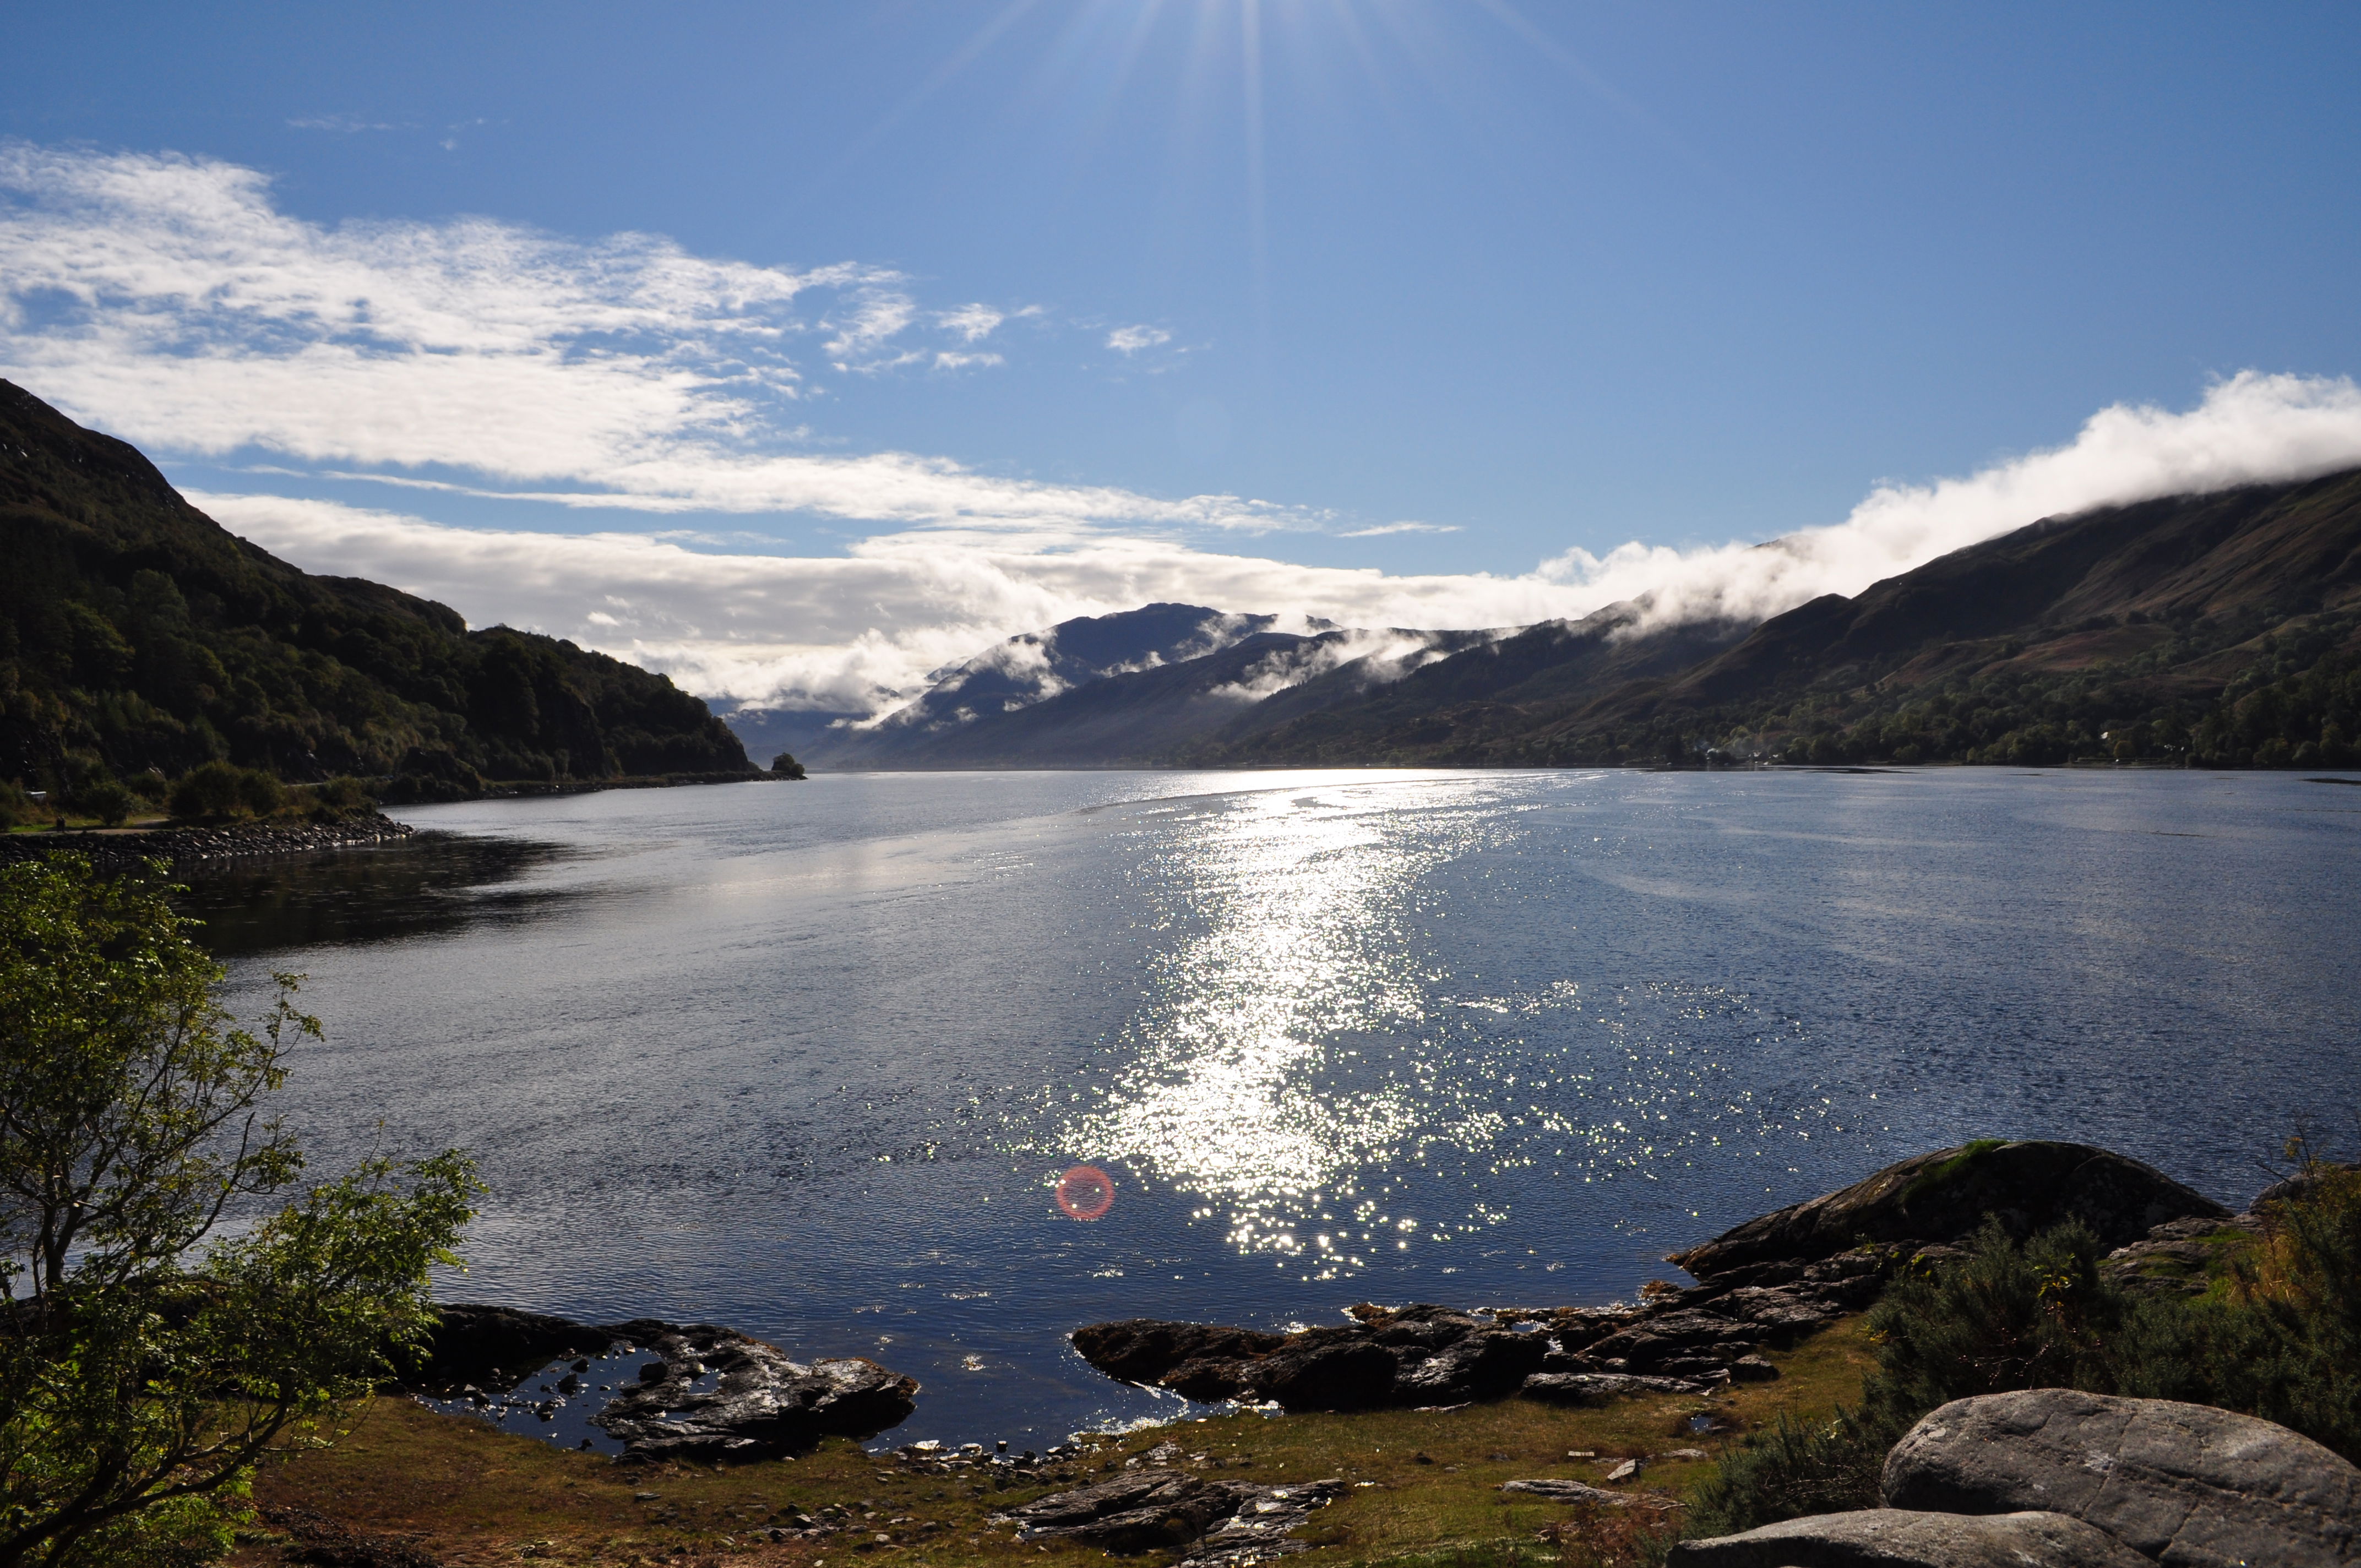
point(139, 638)
point(2220, 629)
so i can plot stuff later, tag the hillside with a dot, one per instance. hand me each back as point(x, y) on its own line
point(2222, 628)
point(138, 634)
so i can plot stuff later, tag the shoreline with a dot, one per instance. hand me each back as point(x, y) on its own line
point(117, 850)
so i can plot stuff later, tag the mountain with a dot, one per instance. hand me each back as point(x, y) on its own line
point(964, 718)
point(137, 633)
point(2222, 628)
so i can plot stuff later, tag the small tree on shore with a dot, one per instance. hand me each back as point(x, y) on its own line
point(146, 1362)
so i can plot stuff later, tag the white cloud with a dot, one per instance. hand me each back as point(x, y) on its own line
point(2250, 429)
point(837, 632)
point(1383, 528)
point(1132, 339)
point(166, 299)
point(973, 322)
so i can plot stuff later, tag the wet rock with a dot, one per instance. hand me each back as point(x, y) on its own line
point(115, 852)
point(2180, 1483)
point(764, 1402)
point(1942, 1197)
point(1338, 1369)
point(1892, 1538)
point(1144, 1350)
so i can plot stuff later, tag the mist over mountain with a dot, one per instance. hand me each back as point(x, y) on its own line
point(2223, 628)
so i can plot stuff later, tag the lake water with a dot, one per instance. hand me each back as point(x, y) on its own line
point(807, 1060)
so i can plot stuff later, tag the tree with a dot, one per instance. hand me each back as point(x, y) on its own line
point(146, 1362)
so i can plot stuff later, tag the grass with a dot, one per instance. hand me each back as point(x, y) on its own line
point(472, 1495)
point(1930, 1181)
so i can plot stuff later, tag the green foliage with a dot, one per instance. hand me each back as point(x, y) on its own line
point(1794, 1470)
point(137, 632)
point(105, 799)
point(785, 765)
point(222, 791)
point(144, 1367)
point(334, 800)
point(17, 805)
point(2277, 1336)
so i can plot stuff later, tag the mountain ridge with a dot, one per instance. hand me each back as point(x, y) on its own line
point(139, 635)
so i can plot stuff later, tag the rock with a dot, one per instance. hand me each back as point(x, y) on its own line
point(1216, 1522)
point(1344, 1372)
point(764, 1402)
point(1601, 1388)
point(2178, 1255)
point(1893, 1538)
point(2180, 1483)
point(321, 1543)
point(471, 1341)
point(1573, 1492)
point(1751, 1369)
point(1145, 1349)
point(1944, 1196)
point(1486, 1364)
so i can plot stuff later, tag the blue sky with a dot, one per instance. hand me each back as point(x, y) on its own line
point(940, 319)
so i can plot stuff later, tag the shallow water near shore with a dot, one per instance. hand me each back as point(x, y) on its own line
point(808, 1060)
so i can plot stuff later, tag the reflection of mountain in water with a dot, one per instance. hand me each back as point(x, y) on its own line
point(435, 884)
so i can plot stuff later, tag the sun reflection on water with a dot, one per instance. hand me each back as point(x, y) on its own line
point(1309, 1070)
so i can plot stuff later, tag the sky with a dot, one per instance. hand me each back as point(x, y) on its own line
point(798, 349)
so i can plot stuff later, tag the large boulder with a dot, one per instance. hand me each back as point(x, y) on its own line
point(1943, 1197)
point(1891, 1538)
point(2179, 1484)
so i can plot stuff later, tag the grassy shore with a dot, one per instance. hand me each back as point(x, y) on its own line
point(1426, 1484)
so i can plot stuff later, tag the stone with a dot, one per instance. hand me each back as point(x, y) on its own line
point(1216, 1523)
point(1945, 1196)
point(1893, 1538)
point(1752, 1369)
point(1601, 1388)
point(2179, 1484)
point(764, 1402)
point(1558, 1491)
point(1142, 1350)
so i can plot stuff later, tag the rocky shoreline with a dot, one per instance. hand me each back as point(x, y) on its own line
point(1761, 1285)
point(119, 850)
point(2044, 1476)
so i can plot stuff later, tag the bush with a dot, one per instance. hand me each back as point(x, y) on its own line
point(17, 806)
point(220, 790)
point(2277, 1335)
point(103, 799)
point(785, 765)
point(337, 799)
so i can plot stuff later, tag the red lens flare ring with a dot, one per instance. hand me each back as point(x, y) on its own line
point(1085, 1192)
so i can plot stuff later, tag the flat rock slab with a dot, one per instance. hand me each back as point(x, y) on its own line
point(1561, 1491)
point(1601, 1388)
point(1895, 1538)
point(1213, 1524)
point(2180, 1483)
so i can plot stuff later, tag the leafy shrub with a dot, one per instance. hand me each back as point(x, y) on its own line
point(2277, 1335)
point(785, 765)
point(105, 799)
point(1796, 1469)
point(337, 799)
point(220, 790)
point(17, 805)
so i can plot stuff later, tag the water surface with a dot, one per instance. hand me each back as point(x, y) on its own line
point(807, 1059)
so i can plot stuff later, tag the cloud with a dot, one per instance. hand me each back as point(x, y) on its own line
point(1386, 528)
point(1132, 339)
point(344, 124)
point(973, 322)
point(167, 298)
point(837, 632)
point(2250, 429)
